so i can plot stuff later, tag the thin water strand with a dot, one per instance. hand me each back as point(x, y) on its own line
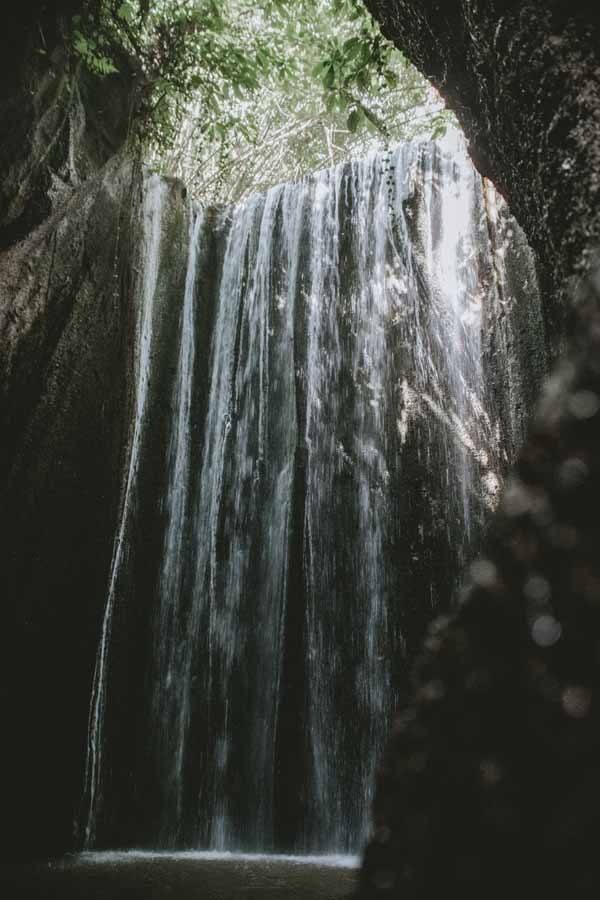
point(155, 191)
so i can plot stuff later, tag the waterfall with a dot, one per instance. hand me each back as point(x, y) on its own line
point(336, 439)
point(242, 522)
point(155, 191)
point(169, 713)
point(347, 381)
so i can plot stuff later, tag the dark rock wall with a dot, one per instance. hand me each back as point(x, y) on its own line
point(58, 124)
point(66, 325)
point(523, 78)
point(513, 328)
point(490, 783)
point(70, 206)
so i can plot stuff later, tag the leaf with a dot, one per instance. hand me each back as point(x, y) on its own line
point(108, 67)
point(255, 68)
point(125, 12)
point(331, 101)
point(366, 53)
point(329, 78)
point(80, 44)
point(391, 78)
point(363, 79)
point(352, 47)
point(320, 67)
point(354, 120)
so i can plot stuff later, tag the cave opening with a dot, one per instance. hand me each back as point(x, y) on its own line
point(284, 490)
point(332, 380)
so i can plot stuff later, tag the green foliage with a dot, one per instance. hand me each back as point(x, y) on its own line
point(236, 94)
point(179, 49)
point(91, 51)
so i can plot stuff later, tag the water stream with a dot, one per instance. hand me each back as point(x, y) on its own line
point(155, 191)
point(319, 501)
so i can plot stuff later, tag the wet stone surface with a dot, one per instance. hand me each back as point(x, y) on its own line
point(177, 878)
point(492, 770)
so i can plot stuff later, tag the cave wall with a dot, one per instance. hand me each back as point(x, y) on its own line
point(490, 781)
point(59, 124)
point(71, 199)
point(522, 77)
point(69, 306)
point(490, 784)
point(65, 321)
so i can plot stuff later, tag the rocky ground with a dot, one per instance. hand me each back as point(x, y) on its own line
point(151, 877)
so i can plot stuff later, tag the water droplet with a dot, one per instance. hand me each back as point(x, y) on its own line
point(584, 404)
point(484, 573)
point(516, 498)
point(546, 631)
point(572, 473)
point(576, 701)
point(536, 588)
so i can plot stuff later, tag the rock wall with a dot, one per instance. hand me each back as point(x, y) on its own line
point(522, 77)
point(490, 782)
point(59, 124)
point(69, 297)
point(70, 200)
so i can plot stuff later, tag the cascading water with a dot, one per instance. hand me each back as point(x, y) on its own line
point(152, 233)
point(170, 708)
point(240, 536)
point(329, 467)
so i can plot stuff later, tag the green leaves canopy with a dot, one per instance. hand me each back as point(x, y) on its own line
point(236, 94)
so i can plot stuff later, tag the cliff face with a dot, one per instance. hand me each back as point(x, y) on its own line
point(522, 77)
point(490, 782)
point(63, 409)
point(59, 124)
point(68, 320)
point(69, 221)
